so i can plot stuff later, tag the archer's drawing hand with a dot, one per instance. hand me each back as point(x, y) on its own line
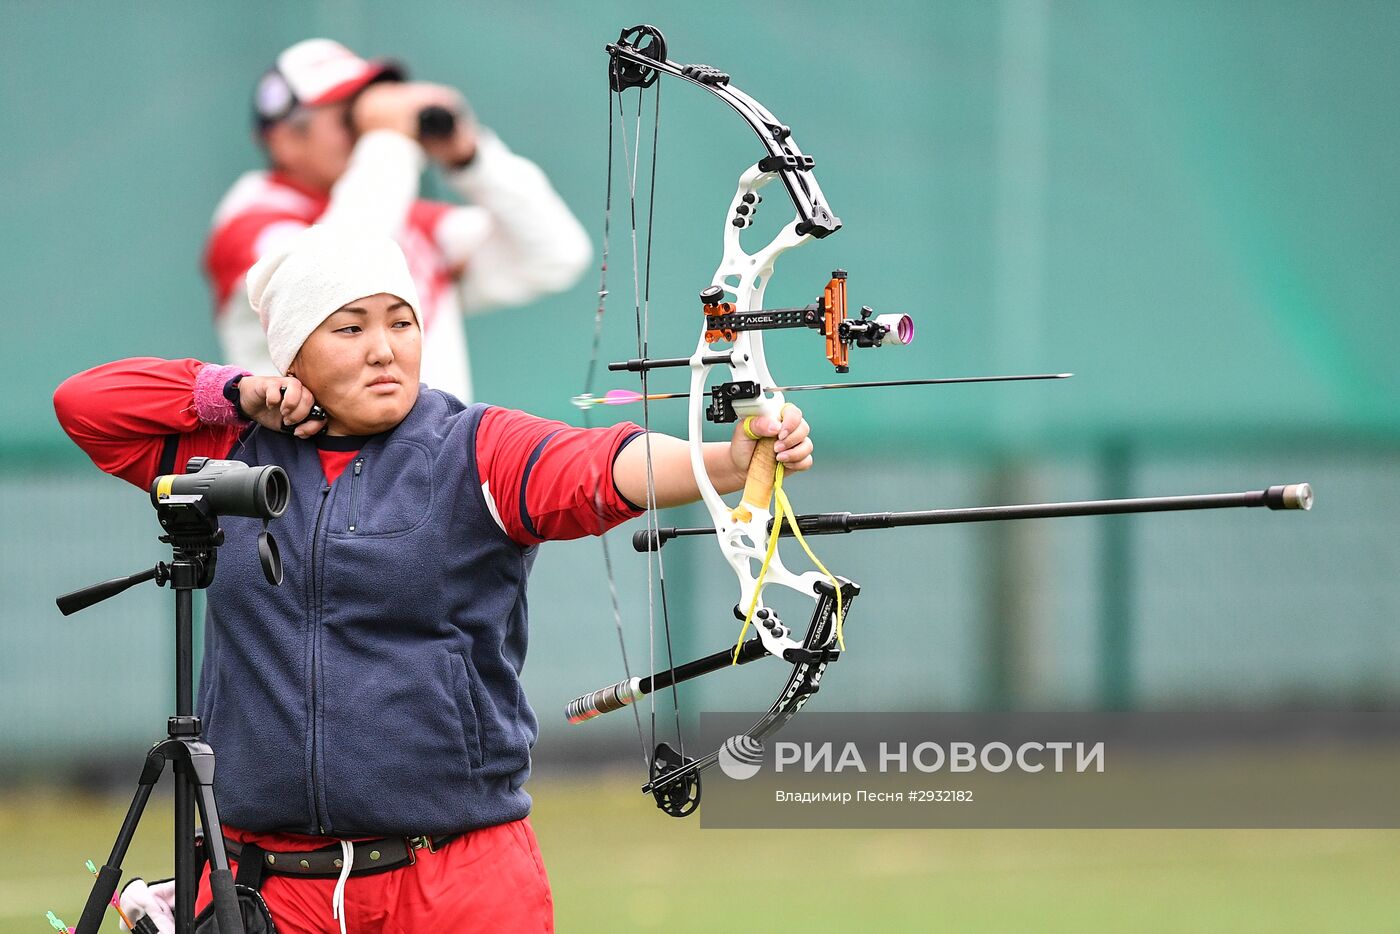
point(155, 901)
point(280, 403)
point(792, 444)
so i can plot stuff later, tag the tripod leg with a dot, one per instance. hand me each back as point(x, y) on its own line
point(110, 874)
point(186, 867)
point(201, 776)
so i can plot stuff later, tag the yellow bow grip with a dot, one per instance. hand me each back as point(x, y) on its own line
point(758, 485)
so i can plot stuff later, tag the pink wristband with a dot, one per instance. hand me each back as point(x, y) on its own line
point(210, 405)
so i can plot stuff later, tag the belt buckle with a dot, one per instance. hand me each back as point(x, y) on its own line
point(421, 842)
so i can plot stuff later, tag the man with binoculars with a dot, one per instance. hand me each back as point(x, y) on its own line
point(346, 142)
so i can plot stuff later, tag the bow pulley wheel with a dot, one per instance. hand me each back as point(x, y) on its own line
point(646, 41)
point(679, 796)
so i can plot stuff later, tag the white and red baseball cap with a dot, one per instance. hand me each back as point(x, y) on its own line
point(315, 72)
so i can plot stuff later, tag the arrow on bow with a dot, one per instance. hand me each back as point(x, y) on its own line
point(627, 396)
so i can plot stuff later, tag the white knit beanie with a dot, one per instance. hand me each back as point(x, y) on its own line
point(317, 271)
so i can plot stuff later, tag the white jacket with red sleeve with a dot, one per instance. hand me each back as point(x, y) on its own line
point(514, 242)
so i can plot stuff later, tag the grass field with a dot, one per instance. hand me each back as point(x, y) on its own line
point(618, 865)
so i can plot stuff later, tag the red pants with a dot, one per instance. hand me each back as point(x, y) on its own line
point(486, 880)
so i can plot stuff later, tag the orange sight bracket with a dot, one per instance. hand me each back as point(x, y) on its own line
point(833, 313)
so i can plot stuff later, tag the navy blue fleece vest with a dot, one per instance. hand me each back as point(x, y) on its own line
point(377, 690)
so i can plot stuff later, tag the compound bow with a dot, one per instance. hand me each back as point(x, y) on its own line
point(731, 335)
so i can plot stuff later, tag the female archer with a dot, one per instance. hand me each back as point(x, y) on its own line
point(372, 736)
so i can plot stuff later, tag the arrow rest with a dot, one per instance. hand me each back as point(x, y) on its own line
point(678, 796)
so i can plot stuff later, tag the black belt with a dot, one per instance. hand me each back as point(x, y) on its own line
point(371, 856)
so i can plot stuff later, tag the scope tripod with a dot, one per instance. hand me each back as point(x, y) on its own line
point(192, 529)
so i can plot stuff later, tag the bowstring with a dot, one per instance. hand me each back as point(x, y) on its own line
point(630, 166)
point(641, 291)
point(643, 313)
point(588, 384)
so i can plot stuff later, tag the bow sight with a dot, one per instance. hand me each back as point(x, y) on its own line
point(827, 315)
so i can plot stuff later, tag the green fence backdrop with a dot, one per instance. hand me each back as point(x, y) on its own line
point(1189, 205)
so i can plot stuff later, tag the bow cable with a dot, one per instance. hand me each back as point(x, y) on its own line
point(641, 290)
point(588, 382)
point(643, 313)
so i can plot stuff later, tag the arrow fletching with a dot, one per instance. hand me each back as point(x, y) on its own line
point(620, 397)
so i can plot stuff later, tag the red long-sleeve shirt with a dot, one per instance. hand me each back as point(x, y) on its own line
point(142, 417)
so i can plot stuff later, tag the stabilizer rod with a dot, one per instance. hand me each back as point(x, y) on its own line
point(1288, 496)
point(616, 696)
